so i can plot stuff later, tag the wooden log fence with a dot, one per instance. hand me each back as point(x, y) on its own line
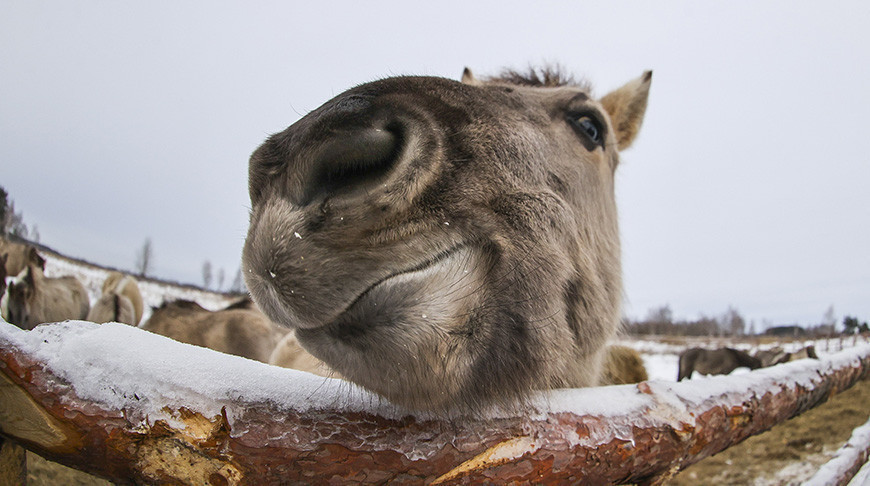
point(137, 408)
point(846, 461)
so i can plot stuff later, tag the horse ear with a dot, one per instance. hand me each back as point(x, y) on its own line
point(626, 107)
point(468, 78)
point(28, 279)
point(35, 258)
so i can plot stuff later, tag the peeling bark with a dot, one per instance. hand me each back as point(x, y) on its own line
point(265, 443)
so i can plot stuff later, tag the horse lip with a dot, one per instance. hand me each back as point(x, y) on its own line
point(421, 267)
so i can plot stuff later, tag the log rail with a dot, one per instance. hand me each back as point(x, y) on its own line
point(625, 434)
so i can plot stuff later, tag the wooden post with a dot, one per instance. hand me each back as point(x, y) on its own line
point(622, 434)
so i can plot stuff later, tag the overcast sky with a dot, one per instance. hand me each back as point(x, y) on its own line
point(748, 186)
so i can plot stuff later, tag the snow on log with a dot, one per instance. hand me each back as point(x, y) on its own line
point(135, 407)
point(862, 477)
point(847, 461)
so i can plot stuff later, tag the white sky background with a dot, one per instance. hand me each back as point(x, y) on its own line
point(748, 185)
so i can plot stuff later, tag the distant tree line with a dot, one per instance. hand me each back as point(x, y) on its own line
point(853, 326)
point(145, 262)
point(12, 221)
point(208, 276)
point(661, 321)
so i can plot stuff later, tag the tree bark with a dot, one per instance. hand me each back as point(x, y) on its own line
point(674, 425)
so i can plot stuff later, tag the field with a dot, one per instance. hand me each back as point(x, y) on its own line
point(788, 454)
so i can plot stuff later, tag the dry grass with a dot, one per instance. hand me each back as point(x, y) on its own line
point(790, 452)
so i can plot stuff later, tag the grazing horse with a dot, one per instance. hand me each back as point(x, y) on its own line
point(777, 355)
point(34, 299)
point(450, 246)
point(714, 361)
point(240, 331)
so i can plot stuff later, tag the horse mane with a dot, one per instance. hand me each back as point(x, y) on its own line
point(547, 76)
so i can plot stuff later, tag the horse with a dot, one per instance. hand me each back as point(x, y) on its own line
point(121, 301)
point(776, 355)
point(239, 331)
point(714, 361)
point(448, 245)
point(34, 299)
point(623, 365)
point(18, 256)
point(113, 307)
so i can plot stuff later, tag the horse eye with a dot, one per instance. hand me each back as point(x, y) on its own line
point(588, 126)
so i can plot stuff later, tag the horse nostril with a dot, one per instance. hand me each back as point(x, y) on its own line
point(352, 159)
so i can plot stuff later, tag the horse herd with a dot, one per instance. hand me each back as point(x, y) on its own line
point(723, 361)
point(32, 298)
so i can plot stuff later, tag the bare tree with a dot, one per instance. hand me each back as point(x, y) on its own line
point(145, 258)
point(830, 318)
point(4, 210)
point(12, 221)
point(206, 274)
point(732, 323)
point(238, 283)
point(220, 279)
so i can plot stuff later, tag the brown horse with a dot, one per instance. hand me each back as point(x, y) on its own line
point(34, 299)
point(447, 245)
point(714, 361)
point(121, 301)
point(18, 256)
point(623, 365)
point(777, 355)
point(240, 331)
point(113, 307)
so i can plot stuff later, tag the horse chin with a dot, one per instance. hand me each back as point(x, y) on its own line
point(403, 337)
